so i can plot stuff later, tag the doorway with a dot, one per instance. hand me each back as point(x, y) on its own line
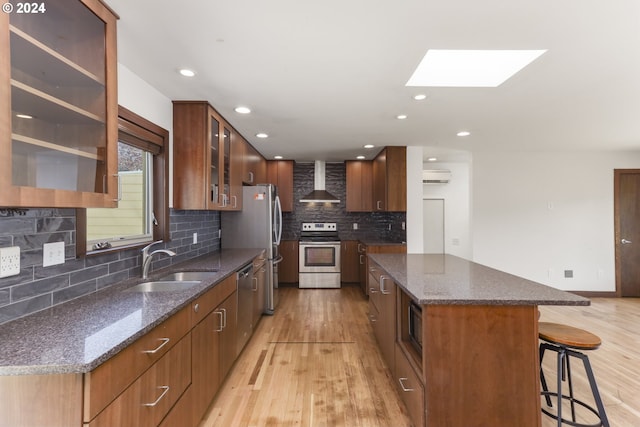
point(626, 196)
point(433, 226)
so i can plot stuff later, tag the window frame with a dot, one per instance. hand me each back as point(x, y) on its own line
point(138, 131)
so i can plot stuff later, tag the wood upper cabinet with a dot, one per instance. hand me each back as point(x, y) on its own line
point(349, 262)
point(280, 173)
point(390, 180)
point(359, 185)
point(59, 110)
point(255, 166)
point(207, 153)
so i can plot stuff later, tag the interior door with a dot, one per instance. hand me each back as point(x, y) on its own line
point(433, 226)
point(627, 223)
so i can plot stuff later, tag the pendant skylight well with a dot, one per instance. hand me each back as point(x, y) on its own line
point(470, 68)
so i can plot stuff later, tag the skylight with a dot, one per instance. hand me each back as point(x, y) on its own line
point(470, 68)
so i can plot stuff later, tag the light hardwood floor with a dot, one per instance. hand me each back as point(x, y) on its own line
point(315, 363)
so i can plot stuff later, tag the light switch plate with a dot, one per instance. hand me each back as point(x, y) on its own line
point(9, 261)
point(52, 254)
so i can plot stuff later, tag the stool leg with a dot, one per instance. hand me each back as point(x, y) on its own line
point(594, 390)
point(573, 405)
point(561, 356)
point(543, 380)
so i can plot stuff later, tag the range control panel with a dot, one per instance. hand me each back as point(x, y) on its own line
point(319, 226)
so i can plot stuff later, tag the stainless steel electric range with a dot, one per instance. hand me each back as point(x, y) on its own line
point(319, 255)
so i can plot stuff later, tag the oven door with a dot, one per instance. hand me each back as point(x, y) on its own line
point(319, 257)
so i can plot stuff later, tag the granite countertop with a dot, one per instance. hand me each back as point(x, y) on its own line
point(447, 279)
point(79, 335)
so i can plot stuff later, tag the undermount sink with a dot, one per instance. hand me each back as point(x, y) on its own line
point(164, 286)
point(188, 275)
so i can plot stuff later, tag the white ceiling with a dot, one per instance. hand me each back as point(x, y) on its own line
point(323, 78)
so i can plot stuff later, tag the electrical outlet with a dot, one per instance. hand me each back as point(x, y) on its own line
point(355, 225)
point(195, 238)
point(52, 254)
point(9, 261)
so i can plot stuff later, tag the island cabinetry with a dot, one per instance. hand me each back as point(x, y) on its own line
point(390, 180)
point(280, 173)
point(211, 342)
point(288, 268)
point(374, 248)
point(349, 262)
point(208, 173)
point(382, 304)
point(59, 114)
point(359, 175)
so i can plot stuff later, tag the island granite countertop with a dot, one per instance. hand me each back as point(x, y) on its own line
point(450, 280)
point(81, 334)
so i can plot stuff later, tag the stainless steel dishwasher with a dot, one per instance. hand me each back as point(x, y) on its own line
point(244, 280)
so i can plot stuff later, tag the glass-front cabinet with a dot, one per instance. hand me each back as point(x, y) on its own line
point(58, 133)
point(203, 163)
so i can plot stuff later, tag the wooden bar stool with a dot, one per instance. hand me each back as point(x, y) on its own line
point(565, 340)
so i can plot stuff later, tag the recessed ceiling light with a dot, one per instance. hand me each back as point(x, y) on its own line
point(369, 146)
point(277, 157)
point(432, 159)
point(401, 116)
point(420, 97)
point(470, 68)
point(24, 116)
point(187, 72)
point(262, 135)
point(242, 110)
point(463, 133)
point(360, 157)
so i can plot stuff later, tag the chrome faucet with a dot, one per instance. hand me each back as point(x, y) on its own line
point(146, 257)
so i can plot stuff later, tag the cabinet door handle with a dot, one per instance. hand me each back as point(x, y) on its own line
point(359, 247)
point(162, 387)
point(378, 204)
point(382, 288)
point(235, 201)
point(165, 341)
point(255, 281)
point(361, 259)
point(372, 291)
point(117, 175)
point(196, 307)
point(251, 177)
point(402, 384)
point(224, 312)
point(372, 318)
point(221, 321)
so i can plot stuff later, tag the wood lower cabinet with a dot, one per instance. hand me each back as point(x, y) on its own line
point(382, 302)
point(410, 387)
point(349, 262)
point(363, 260)
point(146, 402)
point(288, 268)
point(280, 174)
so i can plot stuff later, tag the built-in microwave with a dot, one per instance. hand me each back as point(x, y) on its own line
point(415, 326)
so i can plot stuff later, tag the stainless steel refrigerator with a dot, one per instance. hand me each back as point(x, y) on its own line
point(257, 225)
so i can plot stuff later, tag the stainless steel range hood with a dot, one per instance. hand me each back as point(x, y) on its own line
point(319, 194)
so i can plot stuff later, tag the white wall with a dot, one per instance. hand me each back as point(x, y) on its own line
point(143, 99)
point(414, 200)
point(457, 206)
point(537, 214)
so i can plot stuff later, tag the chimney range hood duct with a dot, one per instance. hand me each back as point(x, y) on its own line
point(319, 194)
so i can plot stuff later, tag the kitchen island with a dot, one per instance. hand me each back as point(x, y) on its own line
point(463, 344)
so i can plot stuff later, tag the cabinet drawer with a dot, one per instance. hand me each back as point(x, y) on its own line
point(410, 388)
point(204, 305)
point(107, 381)
point(146, 402)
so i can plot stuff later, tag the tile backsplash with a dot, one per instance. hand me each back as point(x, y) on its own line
point(384, 226)
point(37, 287)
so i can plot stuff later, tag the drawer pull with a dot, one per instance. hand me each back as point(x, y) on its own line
point(221, 320)
point(372, 291)
point(165, 341)
point(382, 288)
point(402, 384)
point(162, 387)
point(255, 281)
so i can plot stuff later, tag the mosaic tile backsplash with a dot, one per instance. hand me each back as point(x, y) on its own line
point(37, 287)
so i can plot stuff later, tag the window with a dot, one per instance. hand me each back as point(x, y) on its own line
point(142, 214)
